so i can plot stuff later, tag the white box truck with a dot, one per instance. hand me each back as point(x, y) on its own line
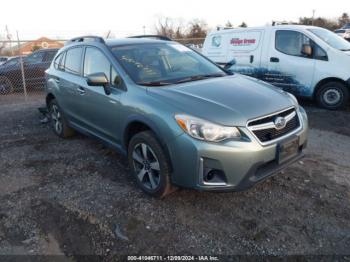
point(306, 61)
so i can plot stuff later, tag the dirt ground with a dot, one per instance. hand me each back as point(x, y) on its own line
point(76, 197)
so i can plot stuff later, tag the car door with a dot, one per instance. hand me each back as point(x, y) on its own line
point(69, 78)
point(288, 67)
point(12, 71)
point(101, 112)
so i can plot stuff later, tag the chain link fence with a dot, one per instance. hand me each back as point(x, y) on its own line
point(23, 64)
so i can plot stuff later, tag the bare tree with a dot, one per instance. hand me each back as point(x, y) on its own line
point(169, 27)
point(243, 25)
point(330, 24)
point(344, 19)
point(2, 44)
point(327, 23)
point(228, 24)
point(197, 29)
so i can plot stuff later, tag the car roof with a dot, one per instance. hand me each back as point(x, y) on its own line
point(291, 26)
point(130, 41)
point(116, 42)
point(46, 50)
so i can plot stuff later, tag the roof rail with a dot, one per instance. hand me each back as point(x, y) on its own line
point(158, 37)
point(274, 23)
point(86, 38)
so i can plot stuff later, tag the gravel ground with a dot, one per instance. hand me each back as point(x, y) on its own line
point(76, 197)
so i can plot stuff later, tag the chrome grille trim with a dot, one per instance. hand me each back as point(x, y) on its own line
point(289, 117)
point(272, 124)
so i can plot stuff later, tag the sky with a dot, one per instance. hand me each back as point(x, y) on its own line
point(68, 18)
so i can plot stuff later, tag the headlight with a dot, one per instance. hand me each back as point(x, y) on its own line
point(204, 130)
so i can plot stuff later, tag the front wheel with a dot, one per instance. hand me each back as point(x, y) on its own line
point(333, 95)
point(150, 164)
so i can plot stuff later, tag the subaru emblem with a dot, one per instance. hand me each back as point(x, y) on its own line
point(280, 122)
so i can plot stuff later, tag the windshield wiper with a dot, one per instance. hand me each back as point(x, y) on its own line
point(154, 83)
point(198, 77)
point(345, 49)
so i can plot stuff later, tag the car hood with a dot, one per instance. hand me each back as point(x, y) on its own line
point(231, 100)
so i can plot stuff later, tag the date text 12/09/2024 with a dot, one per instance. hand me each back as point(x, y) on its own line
point(173, 258)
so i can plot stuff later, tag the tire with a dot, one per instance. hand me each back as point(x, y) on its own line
point(150, 165)
point(6, 86)
point(58, 121)
point(333, 95)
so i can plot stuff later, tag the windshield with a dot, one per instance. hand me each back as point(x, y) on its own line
point(164, 63)
point(331, 38)
point(12, 62)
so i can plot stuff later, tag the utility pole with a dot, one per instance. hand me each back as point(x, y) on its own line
point(313, 16)
point(144, 29)
point(9, 38)
point(22, 68)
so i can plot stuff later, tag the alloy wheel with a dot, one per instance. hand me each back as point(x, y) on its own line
point(146, 166)
point(56, 118)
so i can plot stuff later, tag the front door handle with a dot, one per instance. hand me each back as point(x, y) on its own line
point(81, 90)
point(274, 59)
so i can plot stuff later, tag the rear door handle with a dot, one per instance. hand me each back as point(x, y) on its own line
point(81, 90)
point(274, 59)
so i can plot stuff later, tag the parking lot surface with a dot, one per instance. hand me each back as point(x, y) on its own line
point(75, 196)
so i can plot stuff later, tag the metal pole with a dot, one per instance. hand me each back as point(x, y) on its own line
point(9, 36)
point(22, 68)
point(313, 16)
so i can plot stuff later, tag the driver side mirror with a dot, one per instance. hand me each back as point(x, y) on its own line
point(99, 79)
point(306, 50)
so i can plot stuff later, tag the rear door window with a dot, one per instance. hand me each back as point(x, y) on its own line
point(73, 60)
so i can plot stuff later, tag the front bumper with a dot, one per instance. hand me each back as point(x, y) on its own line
point(243, 163)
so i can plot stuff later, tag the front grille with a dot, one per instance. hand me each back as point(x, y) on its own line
point(268, 131)
point(271, 118)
